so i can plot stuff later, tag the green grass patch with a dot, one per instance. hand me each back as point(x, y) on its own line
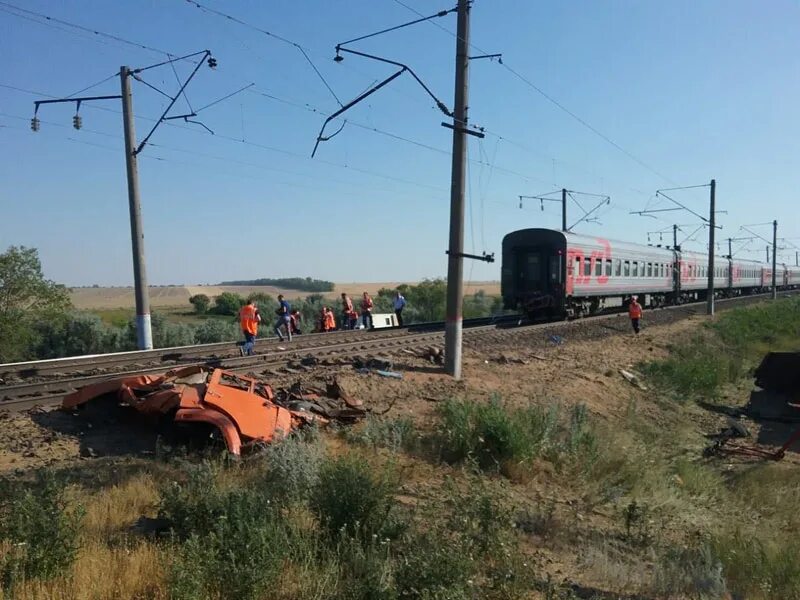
point(726, 350)
point(761, 570)
point(114, 317)
point(500, 438)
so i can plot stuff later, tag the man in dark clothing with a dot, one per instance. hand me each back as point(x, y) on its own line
point(284, 318)
point(399, 305)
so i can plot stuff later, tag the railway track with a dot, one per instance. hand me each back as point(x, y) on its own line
point(25, 395)
point(169, 357)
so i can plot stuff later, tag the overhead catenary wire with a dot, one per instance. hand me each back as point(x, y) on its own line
point(552, 100)
point(85, 29)
point(48, 20)
point(223, 159)
point(270, 34)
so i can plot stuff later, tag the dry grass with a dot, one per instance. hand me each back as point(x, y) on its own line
point(101, 572)
point(115, 509)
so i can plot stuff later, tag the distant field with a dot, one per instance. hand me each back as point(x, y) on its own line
point(174, 296)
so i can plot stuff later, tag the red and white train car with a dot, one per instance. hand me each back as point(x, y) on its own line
point(548, 272)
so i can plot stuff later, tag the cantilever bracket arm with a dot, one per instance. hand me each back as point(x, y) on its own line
point(603, 202)
point(369, 92)
point(441, 105)
point(489, 258)
point(206, 54)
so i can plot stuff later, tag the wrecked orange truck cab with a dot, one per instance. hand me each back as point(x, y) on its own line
point(241, 408)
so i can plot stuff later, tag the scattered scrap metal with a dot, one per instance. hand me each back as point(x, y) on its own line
point(245, 410)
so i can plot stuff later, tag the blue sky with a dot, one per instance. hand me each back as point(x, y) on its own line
point(694, 90)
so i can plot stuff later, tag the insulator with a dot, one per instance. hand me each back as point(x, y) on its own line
point(77, 122)
point(212, 62)
point(35, 124)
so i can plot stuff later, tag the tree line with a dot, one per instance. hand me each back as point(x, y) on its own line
point(303, 284)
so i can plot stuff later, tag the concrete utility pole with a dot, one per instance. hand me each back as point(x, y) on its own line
point(774, 259)
point(455, 263)
point(144, 333)
point(711, 231)
point(674, 237)
point(767, 247)
point(730, 248)
point(563, 210)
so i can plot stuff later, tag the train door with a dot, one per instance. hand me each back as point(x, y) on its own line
point(539, 274)
point(531, 271)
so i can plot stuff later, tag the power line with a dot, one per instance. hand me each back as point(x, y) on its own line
point(275, 36)
point(217, 158)
point(83, 28)
point(552, 100)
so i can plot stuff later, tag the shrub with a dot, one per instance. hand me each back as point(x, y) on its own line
point(293, 467)
point(41, 532)
point(75, 334)
point(239, 557)
point(201, 303)
point(394, 434)
point(228, 303)
point(691, 573)
point(492, 434)
point(352, 499)
point(215, 330)
point(195, 506)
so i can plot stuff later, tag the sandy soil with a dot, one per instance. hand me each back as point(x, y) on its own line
point(169, 296)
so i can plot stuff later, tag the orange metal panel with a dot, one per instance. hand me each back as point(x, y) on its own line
point(255, 417)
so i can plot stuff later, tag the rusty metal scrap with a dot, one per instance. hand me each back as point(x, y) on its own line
point(245, 410)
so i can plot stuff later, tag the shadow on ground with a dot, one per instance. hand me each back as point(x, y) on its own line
point(104, 428)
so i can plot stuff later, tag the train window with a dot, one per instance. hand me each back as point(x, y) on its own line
point(598, 266)
point(587, 266)
point(627, 270)
point(649, 269)
point(608, 267)
point(635, 271)
point(617, 267)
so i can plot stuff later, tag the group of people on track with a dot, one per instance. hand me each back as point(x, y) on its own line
point(288, 321)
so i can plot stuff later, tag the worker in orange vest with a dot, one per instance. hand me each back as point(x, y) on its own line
point(366, 310)
point(330, 320)
point(249, 318)
point(635, 313)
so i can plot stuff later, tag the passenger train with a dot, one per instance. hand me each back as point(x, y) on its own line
point(549, 273)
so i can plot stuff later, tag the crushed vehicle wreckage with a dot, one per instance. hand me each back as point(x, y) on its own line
point(244, 410)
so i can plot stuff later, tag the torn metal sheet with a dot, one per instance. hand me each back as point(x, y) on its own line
point(244, 409)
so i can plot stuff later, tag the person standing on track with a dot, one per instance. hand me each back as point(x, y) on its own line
point(399, 305)
point(294, 321)
point(635, 313)
point(330, 320)
point(249, 318)
point(347, 312)
point(284, 312)
point(366, 310)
